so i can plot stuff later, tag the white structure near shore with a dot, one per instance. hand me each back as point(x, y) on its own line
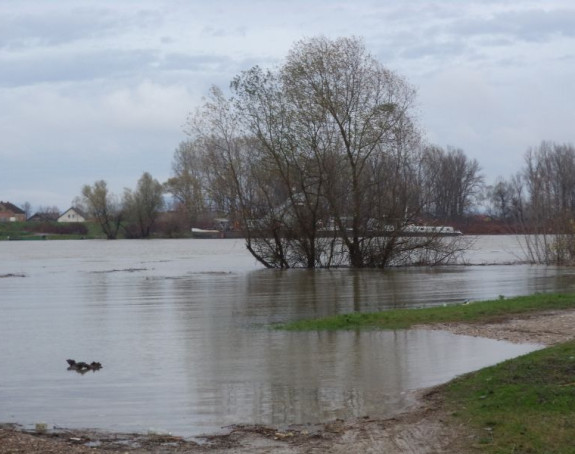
point(72, 215)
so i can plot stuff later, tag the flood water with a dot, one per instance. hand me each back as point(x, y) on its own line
point(182, 330)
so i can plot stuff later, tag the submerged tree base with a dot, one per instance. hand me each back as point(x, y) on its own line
point(283, 251)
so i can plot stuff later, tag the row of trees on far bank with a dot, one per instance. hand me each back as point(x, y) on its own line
point(136, 213)
point(321, 162)
point(549, 204)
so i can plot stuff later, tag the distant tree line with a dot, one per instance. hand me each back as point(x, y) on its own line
point(540, 199)
point(134, 214)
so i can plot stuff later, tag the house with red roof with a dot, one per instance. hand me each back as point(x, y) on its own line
point(11, 213)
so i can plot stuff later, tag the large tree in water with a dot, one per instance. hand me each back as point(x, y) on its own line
point(330, 157)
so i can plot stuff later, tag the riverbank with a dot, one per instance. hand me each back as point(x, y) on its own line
point(431, 425)
point(465, 313)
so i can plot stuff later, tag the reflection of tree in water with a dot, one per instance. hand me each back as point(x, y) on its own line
point(288, 378)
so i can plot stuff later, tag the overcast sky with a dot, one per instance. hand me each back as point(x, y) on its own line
point(99, 89)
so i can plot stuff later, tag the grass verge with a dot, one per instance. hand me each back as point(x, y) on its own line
point(524, 405)
point(49, 231)
point(482, 311)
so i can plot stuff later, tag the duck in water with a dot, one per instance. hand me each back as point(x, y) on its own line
point(82, 367)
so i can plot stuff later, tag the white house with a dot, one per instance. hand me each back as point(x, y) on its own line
point(72, 215)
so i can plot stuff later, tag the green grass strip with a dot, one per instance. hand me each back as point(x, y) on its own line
point(524, 405)
point(482, 311)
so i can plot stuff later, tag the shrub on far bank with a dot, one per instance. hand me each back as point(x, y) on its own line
point(58, 228)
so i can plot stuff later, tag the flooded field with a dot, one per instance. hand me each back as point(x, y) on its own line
point(181, 328)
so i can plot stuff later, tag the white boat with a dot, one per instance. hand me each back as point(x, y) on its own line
point(424, 230)
point(206, 233)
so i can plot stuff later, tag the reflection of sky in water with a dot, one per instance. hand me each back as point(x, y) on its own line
point(181, 328)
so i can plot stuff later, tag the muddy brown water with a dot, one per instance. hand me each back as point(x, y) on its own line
point(181, 328)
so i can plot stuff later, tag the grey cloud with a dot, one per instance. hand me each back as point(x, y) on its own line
point(17, 31)
point(209, 69)
point(181, 61)
point(224, 31)
point(52, 28)
point(420, 13)
point(472, 37)
point(74, 67)
point(435, 49)
point(530, 25)
point(215, 32)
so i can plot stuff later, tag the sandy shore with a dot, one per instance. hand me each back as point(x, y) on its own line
point(424, 428)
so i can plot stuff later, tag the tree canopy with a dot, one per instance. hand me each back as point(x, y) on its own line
point(317, 158)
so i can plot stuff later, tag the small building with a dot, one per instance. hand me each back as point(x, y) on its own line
point(72, 215)
point(11, 213)
point(44, 217)
point(222, 224)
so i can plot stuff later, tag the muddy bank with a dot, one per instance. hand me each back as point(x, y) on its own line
point(424, 428)
point(546, 328)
